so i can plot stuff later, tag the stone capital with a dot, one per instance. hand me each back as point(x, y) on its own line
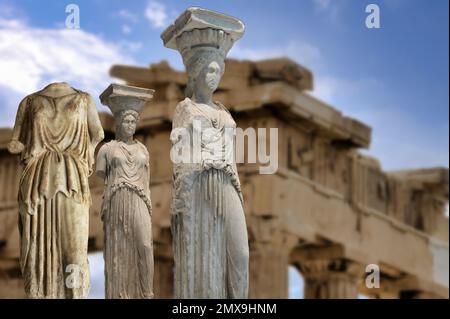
point(201, 19)
point(119, 97)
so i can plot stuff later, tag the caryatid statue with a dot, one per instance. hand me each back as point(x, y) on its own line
point(209, 230)
point(126, 210)
point(55, 133)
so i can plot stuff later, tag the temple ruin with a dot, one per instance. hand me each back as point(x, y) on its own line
point(329, 210)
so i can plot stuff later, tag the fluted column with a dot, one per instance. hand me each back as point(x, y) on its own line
point(329, 279)
point(268, 272)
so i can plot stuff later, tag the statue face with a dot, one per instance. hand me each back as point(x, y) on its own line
point(210, 77)
point(128, 125)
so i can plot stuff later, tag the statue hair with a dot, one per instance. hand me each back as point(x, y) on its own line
point(197, 63)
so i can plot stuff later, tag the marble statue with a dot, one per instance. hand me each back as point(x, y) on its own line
point(55, 132)
point(209, 230)
point(126, 211)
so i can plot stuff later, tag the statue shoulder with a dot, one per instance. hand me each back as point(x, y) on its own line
point(105, 148)
point(82, 93)
point(229, 117)
point(142, 146)
point(27, 100)
point(222, 107)
point(183, 105)
point(182, 112)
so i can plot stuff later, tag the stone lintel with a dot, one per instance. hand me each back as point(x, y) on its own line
point(238, 74)
point(156, 75)
point(329, 252)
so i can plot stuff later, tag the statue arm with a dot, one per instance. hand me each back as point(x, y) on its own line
point(101, 164)
point(148, 180)
point(16, 145)
point(95, 126)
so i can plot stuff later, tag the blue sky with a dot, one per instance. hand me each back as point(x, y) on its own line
point(394, 78)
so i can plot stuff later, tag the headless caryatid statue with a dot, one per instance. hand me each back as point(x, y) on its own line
point(55, 133)
point(209, 230)
point(126, 211)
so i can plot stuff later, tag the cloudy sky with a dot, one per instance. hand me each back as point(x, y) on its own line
point(394, 78)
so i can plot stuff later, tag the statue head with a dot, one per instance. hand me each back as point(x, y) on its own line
point(126, 122)
point(204, 52)
point(126, 102)
point(203, 38)
point(204, 69)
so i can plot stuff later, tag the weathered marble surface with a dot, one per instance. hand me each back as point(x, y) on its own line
point(208, 223)
point(199, 18)
point(55, 133)
point(126, 209)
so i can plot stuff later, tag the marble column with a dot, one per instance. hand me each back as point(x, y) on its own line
point(329, 279)
point(126, 210)
point(269, 265)
point(208, 223)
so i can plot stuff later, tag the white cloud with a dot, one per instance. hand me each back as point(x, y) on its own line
point(332, 10)
point(156, 13)
point(11, 23)
point(127, 15)
point(126, 29)
point(336, 91)
point(33, 57)
point(325, 88)
point(131, 46)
